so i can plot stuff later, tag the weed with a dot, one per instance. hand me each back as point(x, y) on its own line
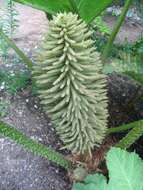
point(13, 81)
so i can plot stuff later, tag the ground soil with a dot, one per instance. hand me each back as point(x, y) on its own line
point(129, 32)
point(21, 170)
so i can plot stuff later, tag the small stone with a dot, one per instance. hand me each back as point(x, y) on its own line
point(35, 106)
point(27, 100)
point(2, 87)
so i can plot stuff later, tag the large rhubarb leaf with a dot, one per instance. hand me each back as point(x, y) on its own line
point(125, 170)
point(49, 6)
point(125, 173)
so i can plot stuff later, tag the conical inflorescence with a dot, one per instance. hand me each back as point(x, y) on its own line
point(71, 85)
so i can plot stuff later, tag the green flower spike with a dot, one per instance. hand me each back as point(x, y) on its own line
point(71, 85)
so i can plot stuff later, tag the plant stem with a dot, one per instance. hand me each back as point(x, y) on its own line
point(123, 127)
point(24, 58)
point(33, 146)
point(74, 6)
point(115, 31)
point(132, 136)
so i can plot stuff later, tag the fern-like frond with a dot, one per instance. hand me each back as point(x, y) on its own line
point(9, 21)
point(71, 85)
point(129, 66)
point(98, 25)
point(9, 24)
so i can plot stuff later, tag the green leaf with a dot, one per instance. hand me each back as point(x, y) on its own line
point(98, 180)
point(137, 76)
point(79, 186)
point(49, 6)
point(108, 69)
point(133, 69)
point(77, 2)
point(89, 9)
point(125, 173)
point(125, 170)
point(92, 182)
